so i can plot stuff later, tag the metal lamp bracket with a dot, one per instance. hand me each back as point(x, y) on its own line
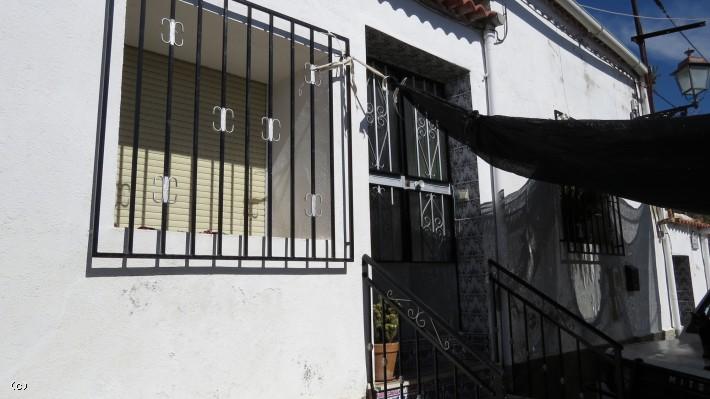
point(223, 112)
point(166, 183)
point(175, 31)
point(316, 205)
point(267, 131)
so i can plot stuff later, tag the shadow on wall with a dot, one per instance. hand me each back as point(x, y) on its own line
point(437, 21)
point(532, 15)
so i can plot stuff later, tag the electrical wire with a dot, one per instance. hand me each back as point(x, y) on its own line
point(642, 16)
point(663, 98)
point(663, 9)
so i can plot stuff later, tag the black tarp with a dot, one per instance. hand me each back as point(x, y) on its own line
point(662, 161)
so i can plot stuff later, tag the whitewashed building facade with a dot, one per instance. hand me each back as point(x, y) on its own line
point(160, 250)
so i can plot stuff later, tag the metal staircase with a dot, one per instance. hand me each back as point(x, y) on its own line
point(539, 348)
point(546, 350)
point(434, 360)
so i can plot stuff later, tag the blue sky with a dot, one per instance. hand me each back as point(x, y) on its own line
point(664, 52)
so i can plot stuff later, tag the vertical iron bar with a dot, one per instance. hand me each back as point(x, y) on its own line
point(619, 231)
point(331, 140)
point(384, 338)
point(168, 133)
point(494, 314)
point(544, 355)
point(350, 154)
point(247, 134)
point(313, 143)
point(343, 133)
point(596, 238)
point(399, 363)
point(269, 143)
point(136, 128)
point(292, 143)
point(419, 369)
point(604, 205)
point(512, 347)
point(436, 370)
point(223, 101)
point(574, 236)
point(195, 132)
point(456, 384)
point(579, 370)
point(101, 127)
point(618, 373)
point(527, 349)
point(563, 380)
point(367, 318)
point(405, 230)
point(597, 379)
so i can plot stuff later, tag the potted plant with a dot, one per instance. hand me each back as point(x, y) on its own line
point(385, 343)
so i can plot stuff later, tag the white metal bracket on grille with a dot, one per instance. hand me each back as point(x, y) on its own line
point(316, 202)
point(420, 185)
point(166, 183)
point(312, 73)
point(175, 31)
point(223, 112)
point(267, 130)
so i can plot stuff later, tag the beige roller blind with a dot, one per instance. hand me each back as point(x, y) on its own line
point(152, 140)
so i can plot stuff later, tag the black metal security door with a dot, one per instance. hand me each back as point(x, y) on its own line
point(410, 194)
point(411, 207)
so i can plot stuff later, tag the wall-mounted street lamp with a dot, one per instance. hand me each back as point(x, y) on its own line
point(640, 39)
point(693, 76)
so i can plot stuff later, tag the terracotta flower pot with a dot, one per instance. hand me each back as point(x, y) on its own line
point(392, 350)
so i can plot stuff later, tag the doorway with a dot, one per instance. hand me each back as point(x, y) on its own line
point(684, 288)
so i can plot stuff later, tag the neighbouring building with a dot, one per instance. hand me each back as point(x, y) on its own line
point(190, 189)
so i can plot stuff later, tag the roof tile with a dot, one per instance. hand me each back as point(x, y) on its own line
point(468, 11)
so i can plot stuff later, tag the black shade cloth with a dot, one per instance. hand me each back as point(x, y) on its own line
point(661, 162)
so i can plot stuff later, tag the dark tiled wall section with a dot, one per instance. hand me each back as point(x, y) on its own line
point(472, 274)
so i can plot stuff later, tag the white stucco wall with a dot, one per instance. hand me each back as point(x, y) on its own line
point(66, 335)
point(538, 69)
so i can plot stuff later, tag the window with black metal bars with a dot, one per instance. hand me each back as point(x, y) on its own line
point(238, 108)
point(591, 221)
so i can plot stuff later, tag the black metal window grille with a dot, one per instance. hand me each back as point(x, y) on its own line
point(591, 221)
point(411, 210)
point(217, 61)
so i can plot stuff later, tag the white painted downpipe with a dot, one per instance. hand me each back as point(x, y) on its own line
point(498, 202)
point(598, 31)
point(670, 278)
point(497, 193)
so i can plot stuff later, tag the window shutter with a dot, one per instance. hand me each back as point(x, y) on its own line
point(151, 146)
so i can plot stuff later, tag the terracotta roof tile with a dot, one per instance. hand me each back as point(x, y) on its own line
point(467, 11)
point(684, 220)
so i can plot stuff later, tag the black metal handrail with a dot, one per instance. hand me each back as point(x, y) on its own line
point(589, 374)
point(553, 303)
point(427, 324)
